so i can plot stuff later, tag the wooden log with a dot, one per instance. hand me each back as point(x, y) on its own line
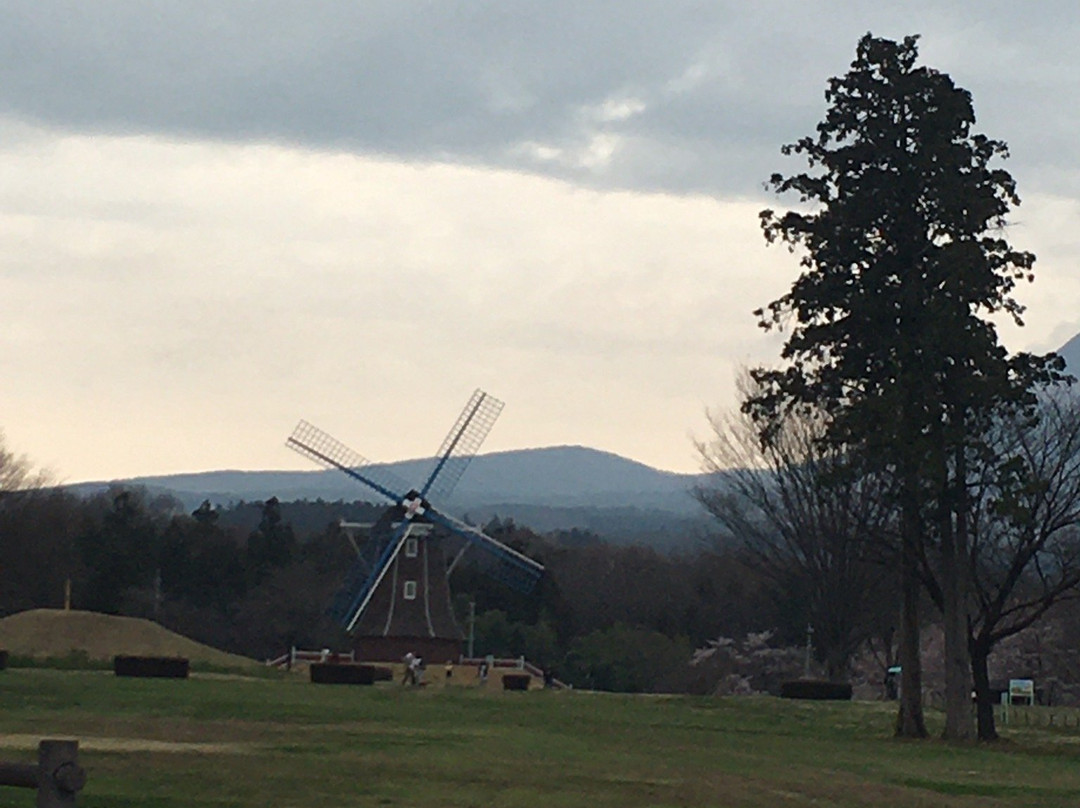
point(58, 777)
point(19, 775)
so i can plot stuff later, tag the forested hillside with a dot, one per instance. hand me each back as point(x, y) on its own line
point(256, 578)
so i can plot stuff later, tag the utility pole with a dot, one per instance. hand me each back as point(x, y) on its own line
point(809, 650)
point(472, 626)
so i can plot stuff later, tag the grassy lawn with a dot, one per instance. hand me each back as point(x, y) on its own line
point(219, 741)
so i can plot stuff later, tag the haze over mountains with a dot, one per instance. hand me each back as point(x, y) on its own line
point(546, 489)
point(555, 488)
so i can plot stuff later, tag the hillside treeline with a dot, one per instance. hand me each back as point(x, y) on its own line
point(256, 578)
point(805, 552)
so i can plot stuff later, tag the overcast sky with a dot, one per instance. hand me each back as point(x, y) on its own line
point(219, 217)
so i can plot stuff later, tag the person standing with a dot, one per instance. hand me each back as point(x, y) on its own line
point(418, 670)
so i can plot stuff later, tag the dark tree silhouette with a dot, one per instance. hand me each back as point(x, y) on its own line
point(903, 264)
point(119, 549)
point(271, 545)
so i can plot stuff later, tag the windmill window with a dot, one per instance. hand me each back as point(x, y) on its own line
point(410, 590)
point(410, 548)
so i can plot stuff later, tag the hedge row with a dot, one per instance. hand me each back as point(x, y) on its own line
point(382, 673)
point(516, 681)
point(815, 689)
point(151, 667)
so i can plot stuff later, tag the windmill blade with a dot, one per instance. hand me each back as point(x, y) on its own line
point(328, 451)
point(366, 575)
point(503, 563)
point(462, 443)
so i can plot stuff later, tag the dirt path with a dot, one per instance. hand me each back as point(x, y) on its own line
point(30, 742)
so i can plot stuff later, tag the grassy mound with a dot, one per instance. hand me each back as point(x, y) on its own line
point(56, 634)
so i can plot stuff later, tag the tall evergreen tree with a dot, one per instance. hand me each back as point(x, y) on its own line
point(200, 562)
point(119, 549)
point(903, 263)
point(271, 545)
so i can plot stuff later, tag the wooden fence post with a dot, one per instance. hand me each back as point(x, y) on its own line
point(58, 777)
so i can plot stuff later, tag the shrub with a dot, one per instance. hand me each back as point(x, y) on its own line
point(627, 660)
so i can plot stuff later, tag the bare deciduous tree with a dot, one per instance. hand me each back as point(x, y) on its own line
point(807, 518)
point(17, 473)
point(1024, 553)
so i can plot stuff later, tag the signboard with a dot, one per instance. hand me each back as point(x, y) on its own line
point(1021, 691)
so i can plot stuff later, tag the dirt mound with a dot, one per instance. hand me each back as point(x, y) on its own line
point(57, 633)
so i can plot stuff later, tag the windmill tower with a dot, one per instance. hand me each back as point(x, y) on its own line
point(396, 598)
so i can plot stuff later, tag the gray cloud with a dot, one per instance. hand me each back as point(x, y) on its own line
point(613, 93)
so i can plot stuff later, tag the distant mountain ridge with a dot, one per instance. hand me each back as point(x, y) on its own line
point(552, 488)
point(1070, 352)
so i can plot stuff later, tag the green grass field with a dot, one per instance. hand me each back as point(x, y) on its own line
point(219, 741)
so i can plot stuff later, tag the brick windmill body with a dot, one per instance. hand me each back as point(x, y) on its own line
point(411, 610)
point(396, 598)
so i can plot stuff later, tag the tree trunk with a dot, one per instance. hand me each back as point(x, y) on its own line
point(838, 664)
point(958, 723)
point(909, 720)
point(958, 719)
point(984, 701)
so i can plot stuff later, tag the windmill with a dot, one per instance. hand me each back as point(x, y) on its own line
point(396, 597)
